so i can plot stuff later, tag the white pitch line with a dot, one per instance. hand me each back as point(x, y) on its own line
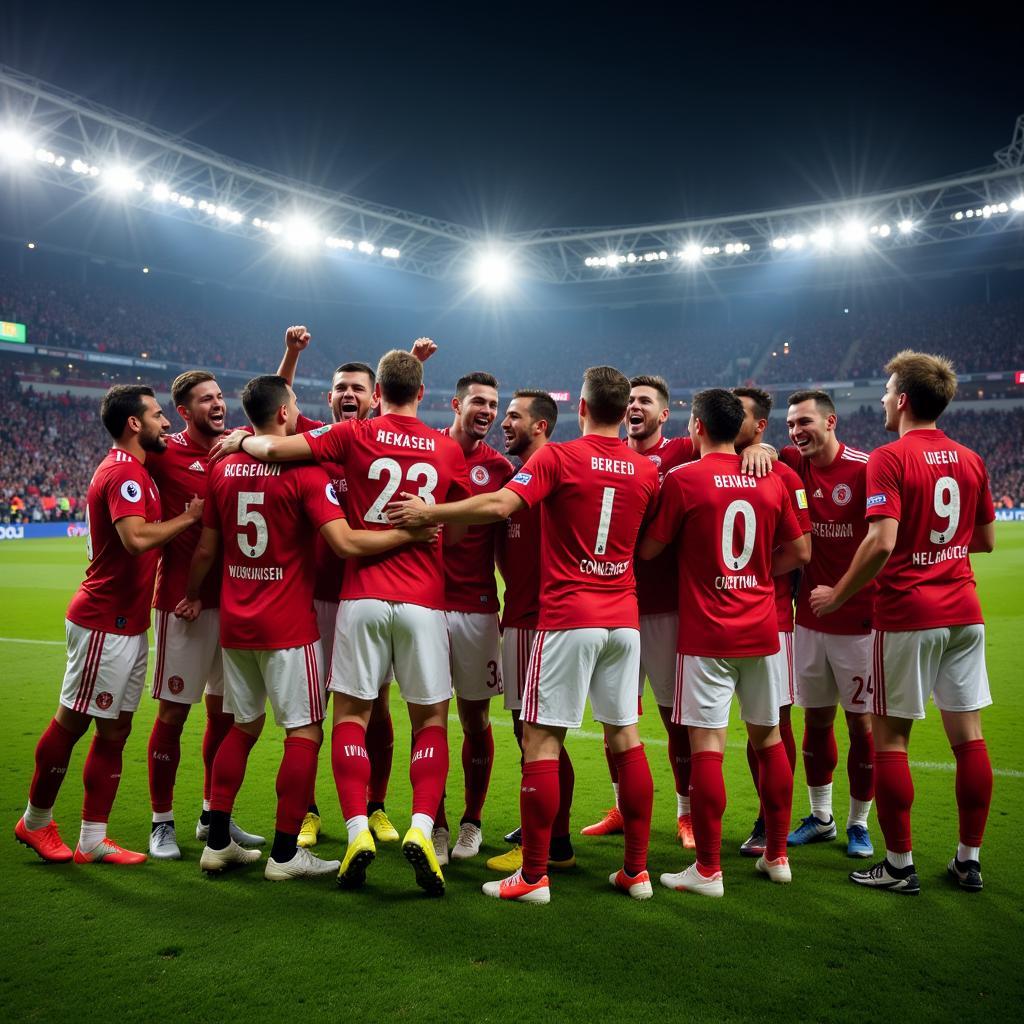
point(583, 734)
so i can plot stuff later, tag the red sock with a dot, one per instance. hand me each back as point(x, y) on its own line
point(755, 773)
point(679, 756)
point(566, 784)
point(894, 796)
point(820, 755)
point(789, 742)
point(538, 806)
point(229, 769)
point(164, 754)
point(218, 725)
point(380, 745)
point(707, 805)
point(636, 798)
point(477, 760)
point(860, 765)
point(428, 769)
point(351, 764)
point(101, 777)
point(295, 780)
point(53, 755)
point(777, 794)
point(973, 789)
point(613, 771)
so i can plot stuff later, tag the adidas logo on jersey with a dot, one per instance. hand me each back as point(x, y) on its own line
point(818, 493)
point(198, 467)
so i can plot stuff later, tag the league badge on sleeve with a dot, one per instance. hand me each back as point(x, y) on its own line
point(801, 498)
point(131, 491)
point(320, 430)
point(332, 494)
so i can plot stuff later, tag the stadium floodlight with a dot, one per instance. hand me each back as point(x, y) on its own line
point(780, 243)
point(493, 271)
point(161, 193)
point(853, 234)
point(906, 226)
point(367, 247)
point(120, 180)
point(797, 241)
point(691, 254)
point(389, 252)
point(300, 234)
point(1017, 204)
point(884, 231)
point(14, 146)
point(822, 238)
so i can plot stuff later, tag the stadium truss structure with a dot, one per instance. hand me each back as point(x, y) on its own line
point(79, 145)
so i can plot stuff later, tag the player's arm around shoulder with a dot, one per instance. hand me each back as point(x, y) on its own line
point(125, 496)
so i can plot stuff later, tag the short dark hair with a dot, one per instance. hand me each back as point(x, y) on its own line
point(822, 399)
point(463, 384)
point(542, 407)
point(120, 403)
point(263, 396)
point(182, 385)
point(357, 368)
point(761, 399)
point(606, 392)
point(928, 381)
point(400, 376)
point(721, 412)
point(650, 380)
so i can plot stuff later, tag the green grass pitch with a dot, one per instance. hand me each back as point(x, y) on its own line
point(165, 942)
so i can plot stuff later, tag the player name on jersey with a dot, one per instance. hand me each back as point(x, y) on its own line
point(389, 437)
point(254, 469)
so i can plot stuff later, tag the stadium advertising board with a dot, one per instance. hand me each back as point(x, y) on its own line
point(1010, 515)
point(12, 333)
point(38, 531)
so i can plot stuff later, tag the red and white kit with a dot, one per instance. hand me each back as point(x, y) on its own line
point(392, 603)
point(833, 653)
point(784, 671)
point(108, 617)
point(597, 493)
point(657, 590)
point(929, 632)
point(265, 514)
point(188, 657)
point(471, 592)
point(725, 525)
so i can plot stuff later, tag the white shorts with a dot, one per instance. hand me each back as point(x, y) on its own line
point(833, 670)
point(516, 645)
point(659, 635)
point(946, 664)
point(783, 670)
point(105, 673)
point(291, 677)
point(326, 623)
point(704, 689)
point(476, 654)
point(567, 665)
point(188, 657)
point(373, 635)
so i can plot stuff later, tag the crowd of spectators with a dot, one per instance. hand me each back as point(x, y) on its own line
point(980, 338)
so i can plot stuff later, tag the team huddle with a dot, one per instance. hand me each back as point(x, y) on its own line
point(306, 559)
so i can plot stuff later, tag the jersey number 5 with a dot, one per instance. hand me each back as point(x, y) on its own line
point(422, 472)
point(250, 517)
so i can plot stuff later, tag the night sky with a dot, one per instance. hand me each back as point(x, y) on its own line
point(516, 117)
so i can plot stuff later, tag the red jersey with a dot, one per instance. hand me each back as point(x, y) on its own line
point(938, 491)
point(382, 457)
point(265, 513)
point(784, 584)
point(469, 584)
point(180, 473)
point(117, 591)
point(657, 582)
point(726, 525)
point(836, 495)
point(517, 549)
point(596, 494)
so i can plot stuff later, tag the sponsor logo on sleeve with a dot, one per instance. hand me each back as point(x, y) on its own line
point(801, 498)
point(876, 499)
point(522, 478)
point(842, 494)
point(131, 491)
point(320, 430)
point(332, 494)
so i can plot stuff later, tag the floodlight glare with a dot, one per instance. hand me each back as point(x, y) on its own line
point(493, 271)
point(119, 179)
point(299, 234)
point(161, 193)
point(1018, 204)
point(14, 146)
point(906, 226)
point(822, 238)
point(853, 233)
